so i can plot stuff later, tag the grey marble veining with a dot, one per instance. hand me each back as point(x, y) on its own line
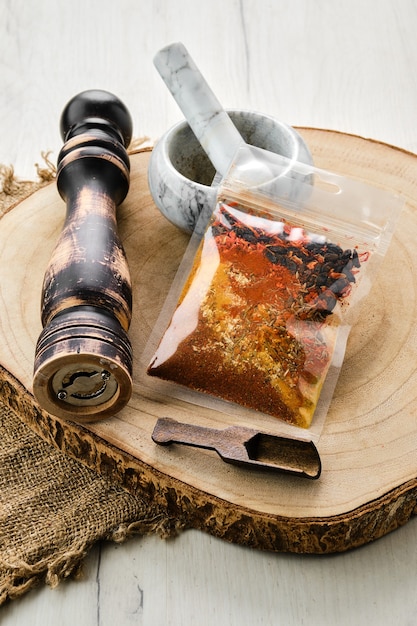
point(180, 174)
point(180, 178)
point(201, 108)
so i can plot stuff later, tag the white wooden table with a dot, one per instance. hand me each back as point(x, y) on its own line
point(348, 65)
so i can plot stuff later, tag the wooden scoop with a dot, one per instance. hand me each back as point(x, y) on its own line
point(244, 447)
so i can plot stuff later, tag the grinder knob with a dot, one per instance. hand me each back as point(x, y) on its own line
point(83, 357)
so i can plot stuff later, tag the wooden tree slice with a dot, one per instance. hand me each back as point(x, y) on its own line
point(368, 484)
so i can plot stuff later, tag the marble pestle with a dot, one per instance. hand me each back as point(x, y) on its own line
point(210, 123)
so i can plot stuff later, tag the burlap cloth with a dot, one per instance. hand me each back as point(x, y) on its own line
point(53, 508)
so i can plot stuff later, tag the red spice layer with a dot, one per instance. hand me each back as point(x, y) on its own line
point(193, 367)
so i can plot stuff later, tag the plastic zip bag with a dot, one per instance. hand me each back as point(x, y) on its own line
point(270, 286)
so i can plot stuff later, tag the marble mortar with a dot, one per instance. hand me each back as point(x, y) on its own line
point(180, 174)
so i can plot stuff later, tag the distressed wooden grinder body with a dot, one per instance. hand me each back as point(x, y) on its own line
point(83, 359)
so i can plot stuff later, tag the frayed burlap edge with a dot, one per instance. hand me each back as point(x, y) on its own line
point(137, 517)
point(13, 190)
point(17, 577)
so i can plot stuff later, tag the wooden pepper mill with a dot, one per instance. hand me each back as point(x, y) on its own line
point(83, 359)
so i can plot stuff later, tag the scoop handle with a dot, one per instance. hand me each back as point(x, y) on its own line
point(227, 442)
point(208, 120)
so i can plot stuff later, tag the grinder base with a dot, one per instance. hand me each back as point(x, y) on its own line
point(83, 366)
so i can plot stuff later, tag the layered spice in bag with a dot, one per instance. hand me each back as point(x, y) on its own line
point(258, 317)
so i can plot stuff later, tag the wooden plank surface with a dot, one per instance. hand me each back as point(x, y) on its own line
point(332, 64)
